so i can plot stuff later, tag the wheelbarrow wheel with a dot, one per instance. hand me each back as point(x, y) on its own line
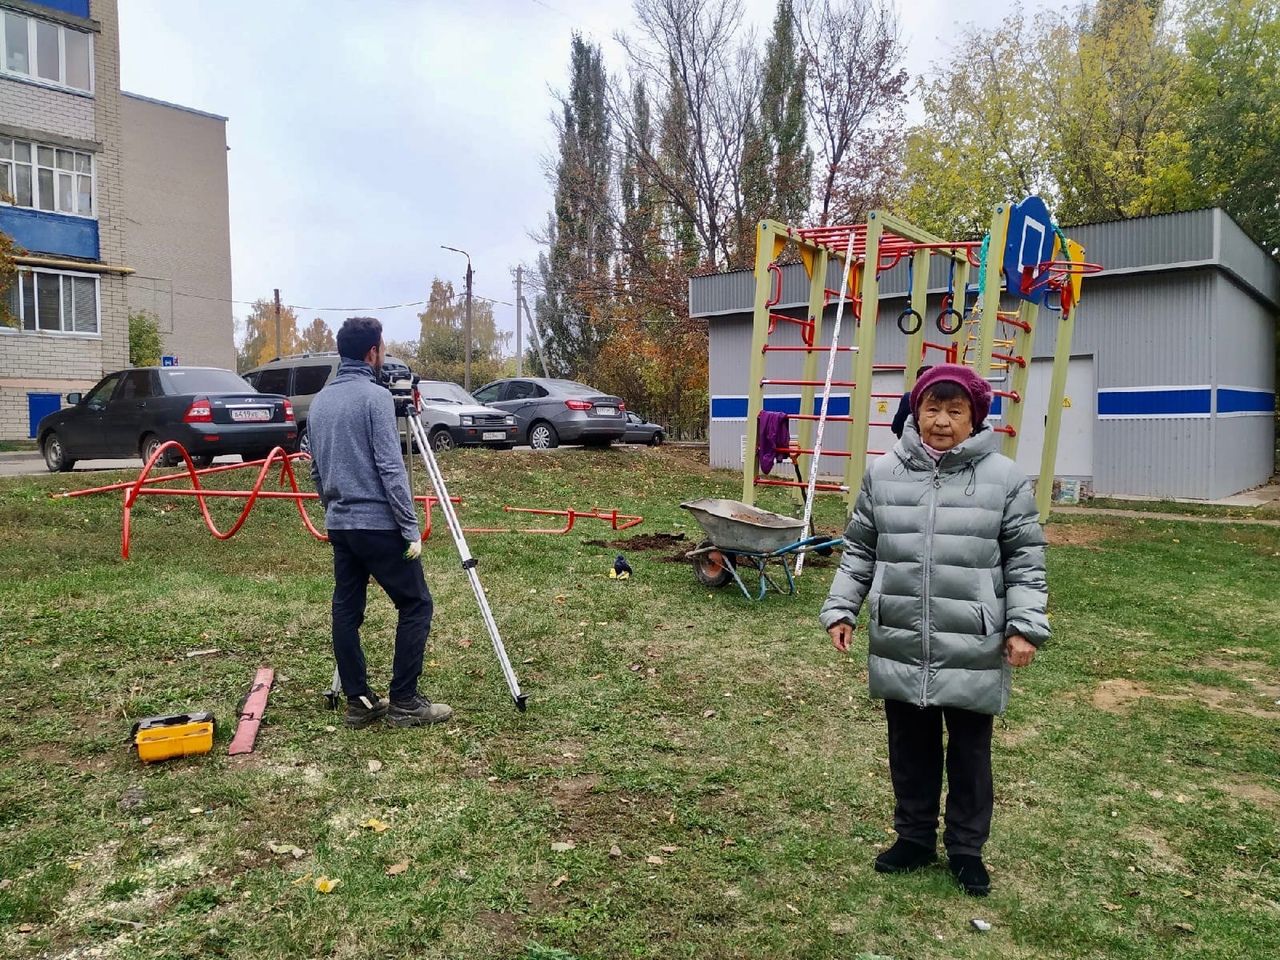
point(710, 568)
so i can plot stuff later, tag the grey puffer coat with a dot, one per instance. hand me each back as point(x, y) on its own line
point(952, 557)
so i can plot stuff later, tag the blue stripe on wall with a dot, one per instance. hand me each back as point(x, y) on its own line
point(735, 408)
point(1190, 402)
point(1245, 401)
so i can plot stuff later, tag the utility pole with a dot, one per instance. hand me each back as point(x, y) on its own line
point(466, 369)
point(279, 351)
point(519, 342)
point(536, 337)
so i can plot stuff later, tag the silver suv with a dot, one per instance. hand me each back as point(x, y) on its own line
point(300, 376)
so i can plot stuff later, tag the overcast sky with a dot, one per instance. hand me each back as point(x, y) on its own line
point(365, 135)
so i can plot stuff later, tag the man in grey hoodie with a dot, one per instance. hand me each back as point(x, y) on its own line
point(369, 515)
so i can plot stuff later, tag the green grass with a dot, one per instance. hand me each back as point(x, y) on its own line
point(1136, 771)
point(1269, 511)
point(18, 446)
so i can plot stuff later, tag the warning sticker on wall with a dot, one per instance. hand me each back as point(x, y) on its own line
point(1066, 402)
point(882, 407)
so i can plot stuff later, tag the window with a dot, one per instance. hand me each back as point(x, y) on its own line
point(180, 381)
point(47, 178)
point(138, 385)
point(490, 393)
point(45, 301)
point(47, 52)
point(524, 390)
point(309, 380)
point(274, 381)
point(102, 392)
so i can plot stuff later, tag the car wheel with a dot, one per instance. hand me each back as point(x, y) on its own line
point(304, 441)
point(656, 439)
point(55, 454)
point(543, 436)
point(201, 460)
point(150, 444)
point(711, 567)
point(441, 440)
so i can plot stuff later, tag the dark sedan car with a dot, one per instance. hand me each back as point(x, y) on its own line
point(550, 412)
point(640, 430)
point(210, 411)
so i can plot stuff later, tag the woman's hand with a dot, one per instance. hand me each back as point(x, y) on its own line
point(1018, 651)
point(841, 635)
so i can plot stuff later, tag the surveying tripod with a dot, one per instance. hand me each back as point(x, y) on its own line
point(407, 408)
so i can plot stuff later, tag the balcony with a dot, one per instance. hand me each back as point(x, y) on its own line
point(53, 233)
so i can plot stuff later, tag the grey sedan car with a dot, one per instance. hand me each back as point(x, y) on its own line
point(550, 412)
point(640, 430)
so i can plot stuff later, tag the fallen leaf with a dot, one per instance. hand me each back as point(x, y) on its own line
point(655, 860)
point(302, 879)
point(562, 846)
point(615, 851)
point(708, 714)
point(75, 866)
point(668, 849)
point(325, 885)
point(1185, 927)
point(1180, 798)
point(397, 868)
point(375, 766)
point(563, 878)
point(26, 927)
point(1111, 907)
point(793, 909)
point(377, 826)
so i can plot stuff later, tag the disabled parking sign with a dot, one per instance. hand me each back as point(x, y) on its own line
point(1028, 249)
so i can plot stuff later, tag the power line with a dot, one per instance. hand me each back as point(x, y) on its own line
point(299, 306)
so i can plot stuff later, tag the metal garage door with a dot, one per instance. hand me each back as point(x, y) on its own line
point(1075, 442)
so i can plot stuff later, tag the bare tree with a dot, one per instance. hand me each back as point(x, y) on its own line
point(856, 92)
point(691, 55)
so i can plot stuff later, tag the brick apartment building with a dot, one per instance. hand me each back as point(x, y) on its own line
point(118, 203)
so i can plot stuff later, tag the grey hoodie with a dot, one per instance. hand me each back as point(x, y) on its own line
point(356, 464)
point(950, 557)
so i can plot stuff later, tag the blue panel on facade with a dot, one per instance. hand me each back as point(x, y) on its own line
point(1191, 402)
point(77, 8)
point(1245, 401)
point(735, 408)
point(39, 232)
point(39, 406)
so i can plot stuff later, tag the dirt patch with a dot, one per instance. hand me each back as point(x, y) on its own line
point(1116, 696)
point(1253, 792)
point(1162, 856)
point(1087, 535)
point(1229, 701)
point(505, 927)
point(1017, 736)
point(573, 792)
point(645, 541)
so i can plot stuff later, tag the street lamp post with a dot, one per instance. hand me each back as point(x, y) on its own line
point(466, 374)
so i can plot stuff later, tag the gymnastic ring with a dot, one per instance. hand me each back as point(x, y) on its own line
point(944, 328)
point(918, 324)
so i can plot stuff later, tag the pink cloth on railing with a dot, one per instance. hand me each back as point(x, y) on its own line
point(772, 434)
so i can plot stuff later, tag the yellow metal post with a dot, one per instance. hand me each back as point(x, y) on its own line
point(1053, 421)
point(991, 288)
point(769, 236)
point(863, 360)
point(1020, 375)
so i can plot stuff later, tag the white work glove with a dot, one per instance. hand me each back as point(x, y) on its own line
point(414, 550)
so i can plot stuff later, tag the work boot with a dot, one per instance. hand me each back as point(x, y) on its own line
point(970, 873)
point(365, 709)
point(904, 856)
point(417, 711)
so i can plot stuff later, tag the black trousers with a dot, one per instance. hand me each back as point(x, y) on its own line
point(915, 763)
point(357, 556)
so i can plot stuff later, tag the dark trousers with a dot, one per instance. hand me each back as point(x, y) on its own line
point(357, 556)
point(915, 763)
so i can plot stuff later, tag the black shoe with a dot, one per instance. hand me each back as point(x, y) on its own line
point(417, 712)
point(364, 710)
point(904, 856)
point(970, 873)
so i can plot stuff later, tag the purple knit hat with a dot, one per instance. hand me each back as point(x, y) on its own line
point(978, 389)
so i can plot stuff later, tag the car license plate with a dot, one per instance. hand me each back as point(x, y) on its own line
point(606, 411)
point(498, 435)
point(250, 415)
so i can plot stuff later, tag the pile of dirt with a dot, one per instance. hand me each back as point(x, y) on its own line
point(645, 541)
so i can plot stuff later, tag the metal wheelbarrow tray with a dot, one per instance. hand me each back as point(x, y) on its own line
point(738, 534)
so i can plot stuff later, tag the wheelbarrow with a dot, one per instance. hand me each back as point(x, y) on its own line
point(743, 537)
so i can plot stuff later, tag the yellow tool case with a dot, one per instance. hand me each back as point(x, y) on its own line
point(175, 735)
